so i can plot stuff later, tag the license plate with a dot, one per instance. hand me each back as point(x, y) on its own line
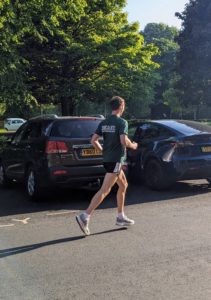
point(206, 149)
point(90, 152)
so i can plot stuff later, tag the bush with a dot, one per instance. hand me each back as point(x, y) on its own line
point(4, 137)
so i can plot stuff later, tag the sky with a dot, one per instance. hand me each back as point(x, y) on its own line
point(155, 11)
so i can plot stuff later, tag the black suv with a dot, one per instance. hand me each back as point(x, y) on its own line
point(52, 151)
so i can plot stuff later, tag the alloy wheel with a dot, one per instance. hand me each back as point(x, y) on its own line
point(31, 183)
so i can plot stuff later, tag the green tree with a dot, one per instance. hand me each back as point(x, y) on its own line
point(194, 57)
point(68, 52)
point(163, 36)
point(155, 31)
point(171, 97)
point(13, 89)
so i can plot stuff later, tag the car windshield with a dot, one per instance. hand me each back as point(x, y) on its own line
point(191, 127)
point(75, 128)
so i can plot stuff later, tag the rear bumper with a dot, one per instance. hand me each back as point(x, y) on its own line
point(192, 168)
point(73, 176)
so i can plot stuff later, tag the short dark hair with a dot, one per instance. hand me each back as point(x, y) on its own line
point(116, 102)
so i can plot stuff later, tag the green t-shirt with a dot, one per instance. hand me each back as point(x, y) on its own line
point(111, 129)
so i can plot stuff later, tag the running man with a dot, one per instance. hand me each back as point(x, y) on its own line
point(114, 130)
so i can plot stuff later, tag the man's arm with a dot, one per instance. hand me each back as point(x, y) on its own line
point(95, 142)
point(125, 141)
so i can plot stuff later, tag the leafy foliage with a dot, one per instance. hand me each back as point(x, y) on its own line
point(163, 36)
point(67, 52)
point(194, 58)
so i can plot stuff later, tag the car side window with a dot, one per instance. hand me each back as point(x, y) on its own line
point(138, 136)
point(46, 126)
point(165, 133)
point(151, 131)
point(18, 135)
point(32, 131)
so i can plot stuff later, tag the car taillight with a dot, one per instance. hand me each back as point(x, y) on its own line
point(60, 172)
point(56, 147)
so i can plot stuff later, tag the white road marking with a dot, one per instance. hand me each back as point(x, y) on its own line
point(24, 221)
point(7, 225)
point(62, 212)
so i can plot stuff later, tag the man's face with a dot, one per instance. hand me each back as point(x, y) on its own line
point(122, 108)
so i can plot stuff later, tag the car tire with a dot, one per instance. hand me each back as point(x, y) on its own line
point(154, 176)
point(134, 175)
point(33, 189)
point(4, 180)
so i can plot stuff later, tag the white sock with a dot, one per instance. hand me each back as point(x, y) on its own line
point(121, 215)
point(86, 215)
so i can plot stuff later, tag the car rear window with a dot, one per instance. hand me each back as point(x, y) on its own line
point(74, 128)
point(191, 127)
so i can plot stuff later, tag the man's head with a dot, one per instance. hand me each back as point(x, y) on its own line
point(117, 105)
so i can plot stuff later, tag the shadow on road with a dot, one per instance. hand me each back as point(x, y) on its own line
point(26, 248)
point(13, 201)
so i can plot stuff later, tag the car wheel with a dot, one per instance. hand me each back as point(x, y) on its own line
point(154, 176)
point(134, 175)
point(33, 189)
point(4, 180)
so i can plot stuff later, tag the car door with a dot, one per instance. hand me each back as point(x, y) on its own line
point(13, 155)
point(145, 135)
point(147, 138)
point(18, 123)
point(25, 148)
point(150, 137)
point(33, 143)
point(13, 125)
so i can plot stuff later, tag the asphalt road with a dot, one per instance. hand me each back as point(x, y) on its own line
point(166, 255)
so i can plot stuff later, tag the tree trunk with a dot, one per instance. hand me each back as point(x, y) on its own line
point(71, 107)
point(67, 106)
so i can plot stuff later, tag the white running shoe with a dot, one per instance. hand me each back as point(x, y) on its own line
point(124, 221)
point(83, 223)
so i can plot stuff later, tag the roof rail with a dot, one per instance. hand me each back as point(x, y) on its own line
point(97, 116)
point(47, 116)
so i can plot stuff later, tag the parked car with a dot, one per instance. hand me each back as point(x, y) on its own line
point(12, 124)
point(170, 150)
point(52, 151)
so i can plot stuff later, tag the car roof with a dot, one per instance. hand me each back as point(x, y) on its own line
point(55, 117)
point(15, 119)
point(174, 123)
point(187, 127)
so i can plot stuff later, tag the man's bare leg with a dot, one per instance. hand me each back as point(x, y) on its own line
point(122, 183)
point(122, 219)
point(108, 182)
point(83, 219)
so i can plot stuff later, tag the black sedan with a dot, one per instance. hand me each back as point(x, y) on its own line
point(170, 150)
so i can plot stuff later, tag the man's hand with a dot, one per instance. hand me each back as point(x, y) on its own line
point(135, 146)
point(95, 142)
point(125, 141)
